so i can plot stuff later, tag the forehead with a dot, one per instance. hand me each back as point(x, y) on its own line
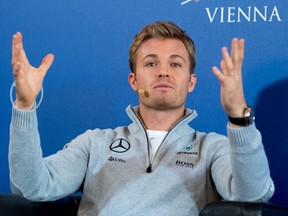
point(165, 47)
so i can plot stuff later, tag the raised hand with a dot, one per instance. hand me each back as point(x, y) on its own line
point(28, 79)
point(232, 94)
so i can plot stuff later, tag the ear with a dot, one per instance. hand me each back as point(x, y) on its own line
point(132, 81)
point(192, 82)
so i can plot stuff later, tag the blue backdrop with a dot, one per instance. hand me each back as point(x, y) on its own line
point(87, 85)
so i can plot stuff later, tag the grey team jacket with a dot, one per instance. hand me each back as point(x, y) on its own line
point(190, 168)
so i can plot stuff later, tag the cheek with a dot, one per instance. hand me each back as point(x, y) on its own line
point(184, 81)
point(143, 78)
point(142, 82)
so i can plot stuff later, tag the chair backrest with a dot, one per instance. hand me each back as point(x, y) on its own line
point(12, 205)
point(228, 208)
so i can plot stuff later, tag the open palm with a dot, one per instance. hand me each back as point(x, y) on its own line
point(28, 79)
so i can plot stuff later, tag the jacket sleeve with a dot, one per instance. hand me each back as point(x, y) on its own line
point(38, 178)
point(240, 167)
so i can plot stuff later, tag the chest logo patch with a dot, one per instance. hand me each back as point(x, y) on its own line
point(120, 146)
point(188, 148)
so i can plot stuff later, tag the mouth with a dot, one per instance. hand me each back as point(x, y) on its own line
point(163, 86)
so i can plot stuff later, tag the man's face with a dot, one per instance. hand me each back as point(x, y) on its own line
point(162, 70)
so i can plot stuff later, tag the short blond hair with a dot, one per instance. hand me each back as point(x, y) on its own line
point(162, 30)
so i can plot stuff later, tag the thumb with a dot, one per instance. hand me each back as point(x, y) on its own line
point(46, 63)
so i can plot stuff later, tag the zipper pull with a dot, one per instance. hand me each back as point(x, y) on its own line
point(149, 168)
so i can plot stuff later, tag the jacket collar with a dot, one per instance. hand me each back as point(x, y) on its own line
point(132, 112)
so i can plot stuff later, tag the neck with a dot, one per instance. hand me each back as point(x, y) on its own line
point(161, 120)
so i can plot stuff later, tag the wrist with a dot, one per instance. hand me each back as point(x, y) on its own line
point(247, 118)
point(237, 111)
point(23, 106)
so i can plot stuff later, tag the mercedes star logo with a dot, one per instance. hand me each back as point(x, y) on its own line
point(120, 146)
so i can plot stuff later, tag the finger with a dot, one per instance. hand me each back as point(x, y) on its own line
point(16, 62)
point(46, 64)
point(235, 51)
point(17, 70)
point(18, 75)
point(23, 56)
point(18, 53)
point(218, 74)
point(15, 49)
point(223, 66)
point(241, 49)
point(239, 54)
point(226, 63)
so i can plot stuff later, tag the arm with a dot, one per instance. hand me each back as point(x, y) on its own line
point(247, 171)
point(31, 175)
point(239, 167)
point(38, 178)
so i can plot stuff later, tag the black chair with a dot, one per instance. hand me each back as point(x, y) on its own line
point(228, 208)
point(12, 205)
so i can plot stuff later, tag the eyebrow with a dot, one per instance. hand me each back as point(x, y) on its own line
point(150, 55)
point(173, 56)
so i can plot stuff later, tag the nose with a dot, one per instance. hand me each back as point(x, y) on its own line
point(162, 74)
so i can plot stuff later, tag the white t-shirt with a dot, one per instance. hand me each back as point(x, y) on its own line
point(156, 137)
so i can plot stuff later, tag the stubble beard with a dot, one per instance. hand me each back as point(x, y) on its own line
point(162, 104)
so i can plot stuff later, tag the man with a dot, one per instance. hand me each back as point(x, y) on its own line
point(157, 165)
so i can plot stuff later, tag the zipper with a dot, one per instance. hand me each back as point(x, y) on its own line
point(149, 168)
